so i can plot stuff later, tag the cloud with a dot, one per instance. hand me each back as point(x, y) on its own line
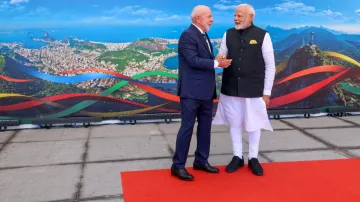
point(117, 10)
point(331, 13)
point(144, 11)
point(3, 5)
point(299, 8)
point(148, 15)
point(132, 10)
point(18, 1)
point(226, 5)
point(291, 6)
point(9, 8)
point(172, 17)
point(357, 12)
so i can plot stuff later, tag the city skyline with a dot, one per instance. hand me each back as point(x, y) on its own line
point(341, 16)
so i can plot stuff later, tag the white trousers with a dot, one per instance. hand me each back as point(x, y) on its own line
point(254, 140)
point(239, 113)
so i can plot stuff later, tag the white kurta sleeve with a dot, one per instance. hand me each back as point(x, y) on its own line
point(269, 59)
point(223, 48)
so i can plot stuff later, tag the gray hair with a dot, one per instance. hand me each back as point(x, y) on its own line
point(197, 10)
point(250, 8)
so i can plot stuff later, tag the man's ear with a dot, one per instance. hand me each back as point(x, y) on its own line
point(251, 17)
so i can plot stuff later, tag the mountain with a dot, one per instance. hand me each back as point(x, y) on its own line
point(354, 43)
point(150, 44)
point(324, 39)
point(278, 34)
point(351, 39)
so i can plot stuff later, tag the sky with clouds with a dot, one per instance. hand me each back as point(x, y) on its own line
point(341, 15)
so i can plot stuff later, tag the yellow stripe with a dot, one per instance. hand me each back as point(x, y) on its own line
point(281, 66)
point(3, 95)
point(343, 57)
point(113, 114)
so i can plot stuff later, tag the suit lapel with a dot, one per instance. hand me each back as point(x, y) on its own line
point(203, 39)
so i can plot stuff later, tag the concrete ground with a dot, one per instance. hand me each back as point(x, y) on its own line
point(84, 164)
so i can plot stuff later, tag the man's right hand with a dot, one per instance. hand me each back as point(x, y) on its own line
point(220, 57)
point(224, 63)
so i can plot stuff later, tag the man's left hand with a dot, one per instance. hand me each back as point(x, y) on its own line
point(266, 98)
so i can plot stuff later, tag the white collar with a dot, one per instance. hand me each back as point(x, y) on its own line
point(202, 32)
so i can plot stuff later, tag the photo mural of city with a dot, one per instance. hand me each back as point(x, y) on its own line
point(111, 58)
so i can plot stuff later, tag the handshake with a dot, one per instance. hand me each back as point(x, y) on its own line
point(223, 62)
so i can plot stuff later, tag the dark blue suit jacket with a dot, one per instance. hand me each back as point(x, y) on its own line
point(196, 66)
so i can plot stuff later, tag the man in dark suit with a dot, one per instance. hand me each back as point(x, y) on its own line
point(196, 88)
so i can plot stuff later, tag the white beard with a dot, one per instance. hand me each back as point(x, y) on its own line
point(207, 27)
point(239, 27)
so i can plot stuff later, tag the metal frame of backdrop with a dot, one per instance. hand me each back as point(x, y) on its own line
point(168, 117)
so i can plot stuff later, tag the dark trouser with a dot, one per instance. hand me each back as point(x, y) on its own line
point(190, 110)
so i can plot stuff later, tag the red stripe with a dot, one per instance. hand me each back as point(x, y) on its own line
point(305, 92)
point(317, 69)
point(33, 103)
point(15, 80)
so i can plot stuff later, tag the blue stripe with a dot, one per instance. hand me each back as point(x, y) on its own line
point(85, 77)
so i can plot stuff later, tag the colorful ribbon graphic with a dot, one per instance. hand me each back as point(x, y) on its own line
point(313, 70)
point(149, 87)
point(305, 92)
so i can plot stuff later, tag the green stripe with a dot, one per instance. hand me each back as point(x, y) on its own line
point(351, 89)
point(84, 104)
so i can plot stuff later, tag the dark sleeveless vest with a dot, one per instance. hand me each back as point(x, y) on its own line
point(245, 76)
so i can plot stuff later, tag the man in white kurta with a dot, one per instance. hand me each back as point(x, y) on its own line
point(241, 109)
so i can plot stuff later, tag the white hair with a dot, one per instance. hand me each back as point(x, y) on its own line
point(197, 9)
point(251, 9)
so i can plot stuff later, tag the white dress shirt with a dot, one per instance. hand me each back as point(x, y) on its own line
point(216, 63)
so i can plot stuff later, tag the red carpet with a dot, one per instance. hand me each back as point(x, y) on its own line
point(330, 180)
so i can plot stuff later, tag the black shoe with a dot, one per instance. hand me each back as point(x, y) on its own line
point(205, 167)
point(255, 167)
point(182, 174)
point(235, 164)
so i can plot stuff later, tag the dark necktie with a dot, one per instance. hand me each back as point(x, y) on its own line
point(207, 42)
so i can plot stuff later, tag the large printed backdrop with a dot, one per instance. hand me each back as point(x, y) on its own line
point(110, 68)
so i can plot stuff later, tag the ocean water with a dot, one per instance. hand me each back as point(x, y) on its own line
point(111, 34)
